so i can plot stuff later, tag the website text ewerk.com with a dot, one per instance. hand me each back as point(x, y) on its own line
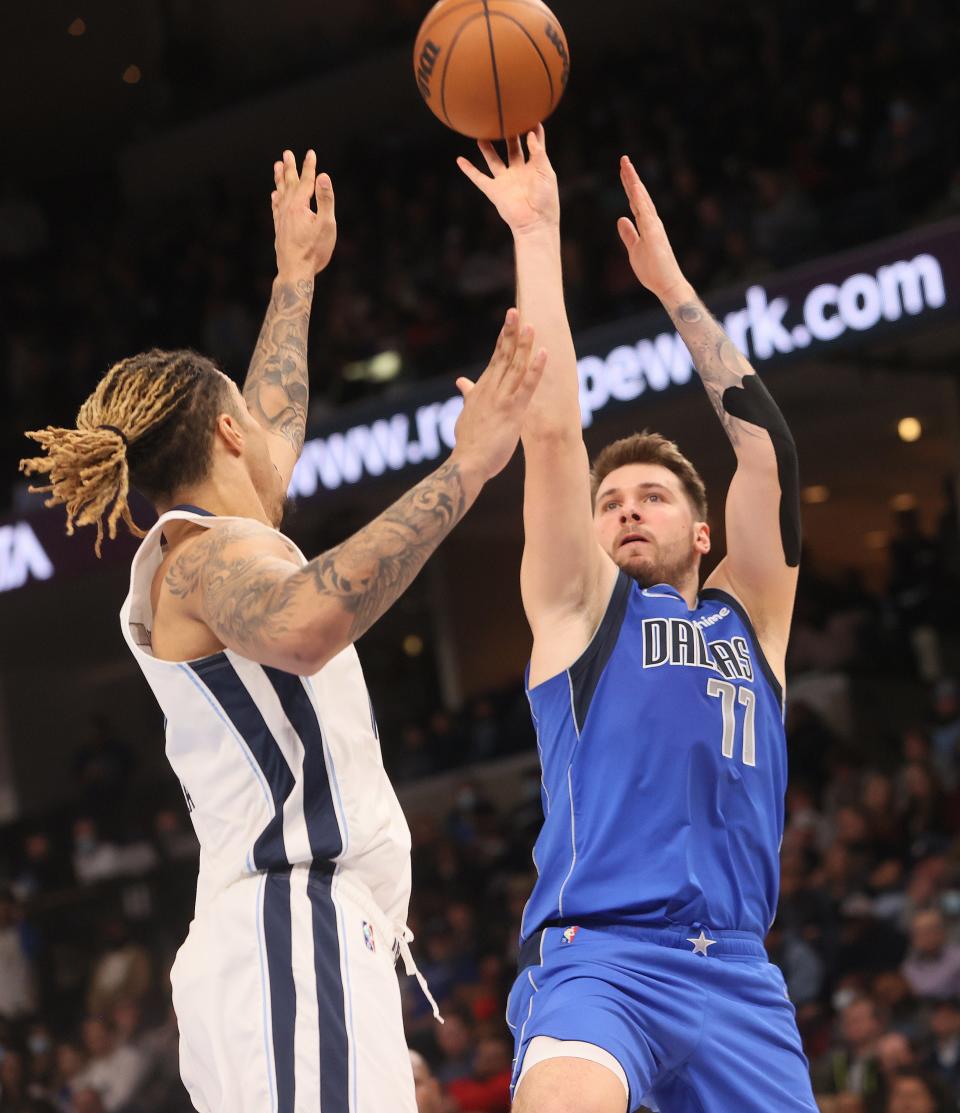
point(761, 329)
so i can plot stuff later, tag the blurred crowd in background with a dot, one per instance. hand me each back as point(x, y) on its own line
point(96, 897)
point(766, 133)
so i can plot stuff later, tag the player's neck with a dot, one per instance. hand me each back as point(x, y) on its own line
point(688, 586)
point(224, 496)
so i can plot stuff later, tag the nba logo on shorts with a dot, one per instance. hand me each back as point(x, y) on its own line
point(570, 934)
point(368, 937)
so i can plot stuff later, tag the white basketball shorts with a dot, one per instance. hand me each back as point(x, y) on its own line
point(288, 1001)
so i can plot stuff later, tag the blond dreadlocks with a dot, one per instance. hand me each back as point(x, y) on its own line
point(150, 420)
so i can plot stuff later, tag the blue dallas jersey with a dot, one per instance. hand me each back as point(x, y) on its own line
point(664, 771)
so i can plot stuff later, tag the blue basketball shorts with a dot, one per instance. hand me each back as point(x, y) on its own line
point(699, 1020)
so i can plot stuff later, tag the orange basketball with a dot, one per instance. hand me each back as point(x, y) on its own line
point(490, 69)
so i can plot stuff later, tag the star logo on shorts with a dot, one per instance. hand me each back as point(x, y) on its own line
point(700, 944)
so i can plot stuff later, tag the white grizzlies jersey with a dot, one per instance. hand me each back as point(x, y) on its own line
point(278, 770)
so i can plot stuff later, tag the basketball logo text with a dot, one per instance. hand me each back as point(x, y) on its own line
point(425, 66)
point(557, 39)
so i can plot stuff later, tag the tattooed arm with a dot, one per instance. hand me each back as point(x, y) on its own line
point(243, 582)
point(239, 578)
point(763, 501)
point(277, 384)
point(276, 389)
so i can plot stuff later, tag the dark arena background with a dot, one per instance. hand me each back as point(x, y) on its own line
point(806, 161)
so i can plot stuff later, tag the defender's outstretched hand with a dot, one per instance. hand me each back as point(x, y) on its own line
point(645, 239)
point(524, 189)
point(304, 239)
point(488, 430)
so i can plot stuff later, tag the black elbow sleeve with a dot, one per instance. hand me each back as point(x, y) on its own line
point(751, 401)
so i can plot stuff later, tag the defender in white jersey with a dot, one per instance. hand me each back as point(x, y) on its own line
point(285, 989)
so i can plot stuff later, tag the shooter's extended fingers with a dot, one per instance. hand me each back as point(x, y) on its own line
point(479, 179)
point(491, 157)
point(514, 151)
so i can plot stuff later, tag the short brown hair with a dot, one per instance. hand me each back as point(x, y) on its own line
point(650, 448)
point(150, 421)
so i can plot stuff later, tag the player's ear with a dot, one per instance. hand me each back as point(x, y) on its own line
point(701, 537)
point(230, 433)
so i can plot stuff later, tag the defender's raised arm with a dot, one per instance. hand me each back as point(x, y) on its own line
point(244, 583)
point(277, 385)
point(763, 502)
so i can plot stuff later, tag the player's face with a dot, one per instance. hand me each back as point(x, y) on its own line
point(644, 521)
point(260, 466)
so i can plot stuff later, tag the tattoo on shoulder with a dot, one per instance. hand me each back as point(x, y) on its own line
point(246, 603)
point(189, 568)
point(277, 383)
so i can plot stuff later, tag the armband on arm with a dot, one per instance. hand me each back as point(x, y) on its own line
point(753, 403)
point(746, 410)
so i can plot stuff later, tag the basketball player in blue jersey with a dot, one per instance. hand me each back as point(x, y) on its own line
point(285, 990)
point(658, 707)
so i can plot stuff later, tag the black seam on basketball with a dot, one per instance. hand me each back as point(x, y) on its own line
point(533, 43)
point(493, 62)
point(443, 79)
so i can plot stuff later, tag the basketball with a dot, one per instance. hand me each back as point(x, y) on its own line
point(491, 69)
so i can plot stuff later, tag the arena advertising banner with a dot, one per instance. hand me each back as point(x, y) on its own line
point(894, 287)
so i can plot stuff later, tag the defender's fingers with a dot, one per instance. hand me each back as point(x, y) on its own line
point(308, 176)
point(506, 345)
point(479, 179)
point(514, 151)
point(278, 179)
point(530, 379)
point(326, 202)
point(465, 385)
point(491, 157)
point(628, 233)
point(290, 175)
point(514, 371)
